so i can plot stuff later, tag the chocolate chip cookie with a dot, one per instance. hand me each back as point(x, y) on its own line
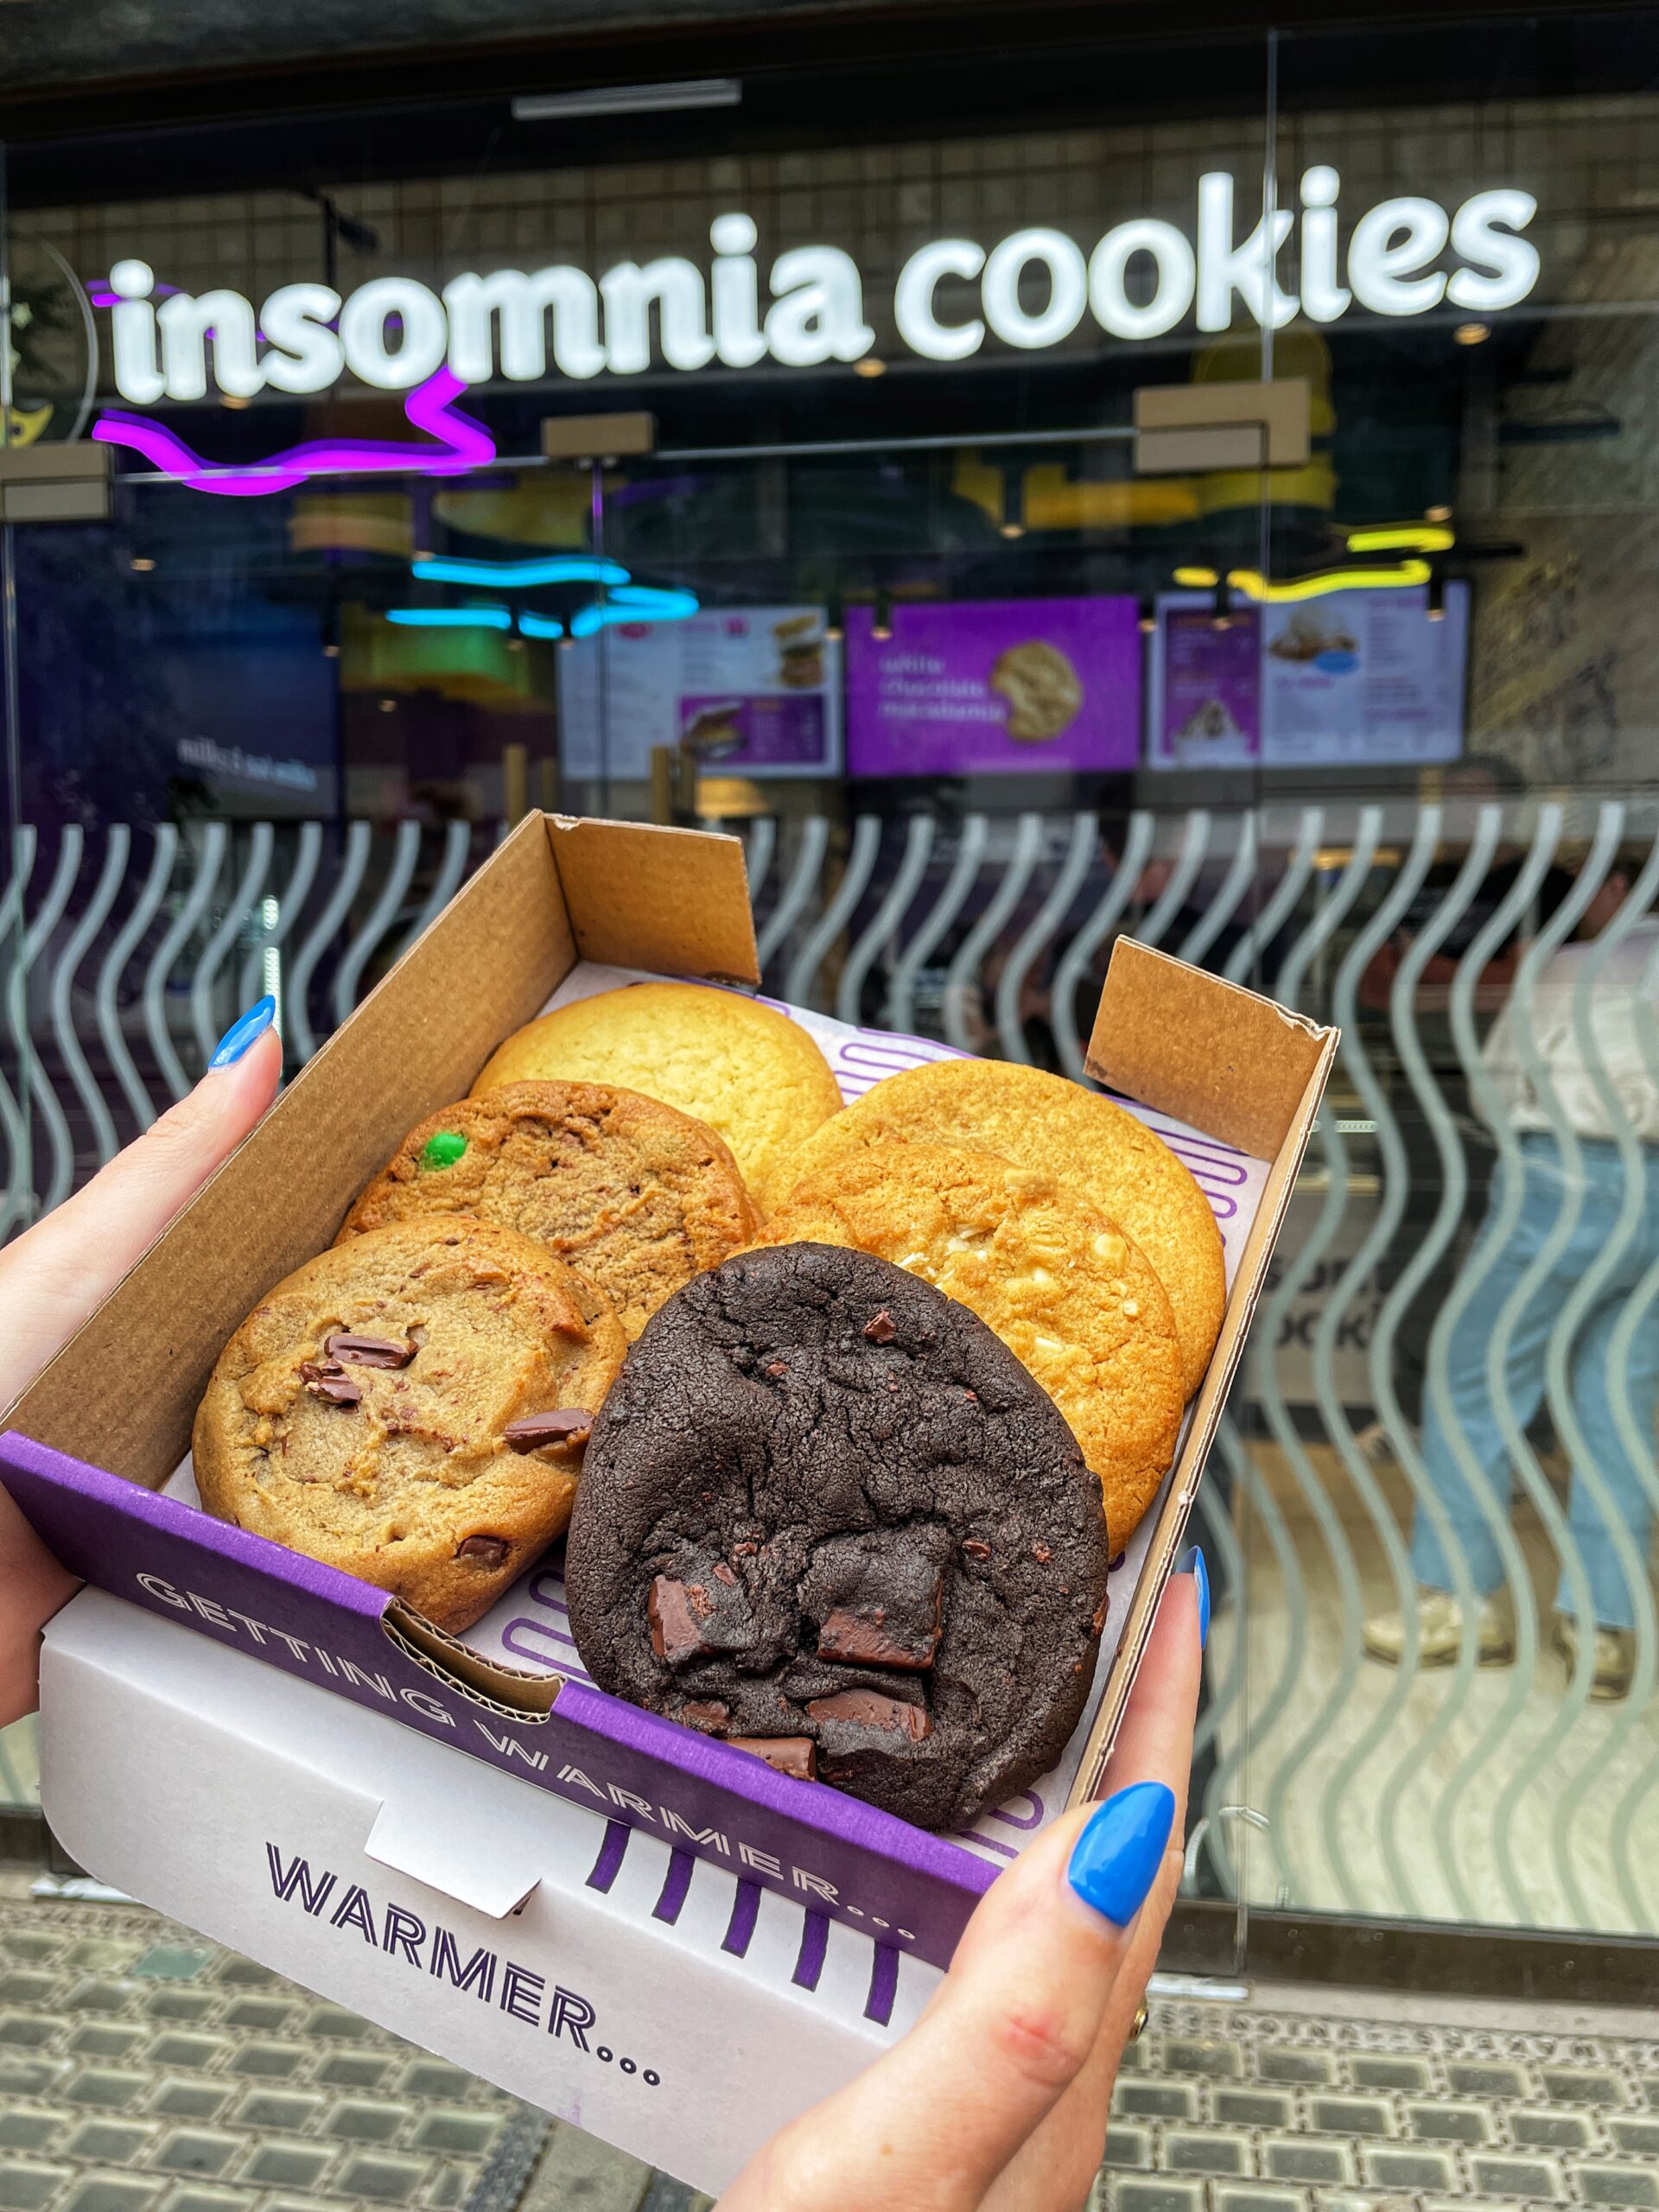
point(638, 1196)
point(1064, 1288)
point(412, 1407)
point(827, 1515)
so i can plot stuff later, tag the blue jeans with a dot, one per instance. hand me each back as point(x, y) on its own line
point(1545, 1188)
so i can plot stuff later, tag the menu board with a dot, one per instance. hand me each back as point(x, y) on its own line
point(1353, 676)
point(995, 686)
point(754, 691)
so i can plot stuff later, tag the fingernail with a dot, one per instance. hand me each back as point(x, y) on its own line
point(243, 1032)
point(1191, 1562)
point(1114, 1861)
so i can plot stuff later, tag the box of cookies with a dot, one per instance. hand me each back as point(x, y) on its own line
point(765, 1438)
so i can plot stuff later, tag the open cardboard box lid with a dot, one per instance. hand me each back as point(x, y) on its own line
point(108, 1422)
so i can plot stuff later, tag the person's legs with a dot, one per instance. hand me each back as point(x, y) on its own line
point(1592, 1402)
point(1471, 1412)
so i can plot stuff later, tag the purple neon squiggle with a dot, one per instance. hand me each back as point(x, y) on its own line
point(463, 444)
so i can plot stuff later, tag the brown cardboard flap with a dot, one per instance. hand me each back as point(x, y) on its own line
point(505, 1689)
point(123, 1391)
point(1249, 1282)
point(1209, 1052)
point(676, 901)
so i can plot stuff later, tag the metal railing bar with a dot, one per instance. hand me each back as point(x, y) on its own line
point(1044, 924)
point(117, 849)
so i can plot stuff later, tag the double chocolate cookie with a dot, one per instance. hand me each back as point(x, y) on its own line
point(826, 1515)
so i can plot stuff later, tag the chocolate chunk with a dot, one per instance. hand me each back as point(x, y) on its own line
point(491, 1549)
point(703, 1712)
point(691, 1615)
point(1041, 1554)
point(1099, 1622)
point(880, 1331)
point(796, 1755)
point(677, 1619)
point(976, 1548)
point(723, 1573)
point(369, 1352)
point(869, 1709)
point(330, 1384)
point(878, 1597)
point(570, 1424)
point(775, 1368)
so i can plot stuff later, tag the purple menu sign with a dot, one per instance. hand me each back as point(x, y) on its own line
point(995, 686)
point(1212, 706)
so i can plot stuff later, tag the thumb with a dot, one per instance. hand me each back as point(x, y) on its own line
point(56, 1275)
point(935, 2120)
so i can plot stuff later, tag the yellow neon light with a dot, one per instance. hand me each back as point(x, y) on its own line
point(1196, 579)
point(1247, 581)
point(1413, 537)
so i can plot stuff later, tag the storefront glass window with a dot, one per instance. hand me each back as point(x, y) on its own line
point(1208, 501)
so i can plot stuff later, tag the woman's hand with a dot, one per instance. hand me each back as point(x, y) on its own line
point(56, 1274)
point(995, 2102)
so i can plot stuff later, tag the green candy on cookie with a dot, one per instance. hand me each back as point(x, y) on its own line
point(443, 1148)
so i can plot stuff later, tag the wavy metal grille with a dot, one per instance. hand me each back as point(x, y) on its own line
point(1504, 1796)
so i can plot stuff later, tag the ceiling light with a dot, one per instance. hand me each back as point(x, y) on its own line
point(388, 706)
point(869, 366)
point(1472, 333)
point(628, 99)
point(330, 652)
point(141, 566)
point(232, 399)
point(1437, 514)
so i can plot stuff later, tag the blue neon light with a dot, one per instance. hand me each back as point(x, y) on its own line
point(451, 618)
point(539, 626)
point(553, 568)
point(634, 603)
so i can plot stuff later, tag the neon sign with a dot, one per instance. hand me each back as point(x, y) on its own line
point(1140, 279)
point(459, 444)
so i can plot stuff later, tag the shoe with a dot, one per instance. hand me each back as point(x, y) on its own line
point(1615, 1658)
point(1439, 1633)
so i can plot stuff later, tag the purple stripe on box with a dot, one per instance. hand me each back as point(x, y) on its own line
point(675, 1885)
point(815, 1942)
point(746, 1909)
point(609, 1865)
point(884, 1985)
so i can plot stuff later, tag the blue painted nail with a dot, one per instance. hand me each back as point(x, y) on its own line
point(1114, 1861)
point(244, 1032)
point(1191, 1562)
